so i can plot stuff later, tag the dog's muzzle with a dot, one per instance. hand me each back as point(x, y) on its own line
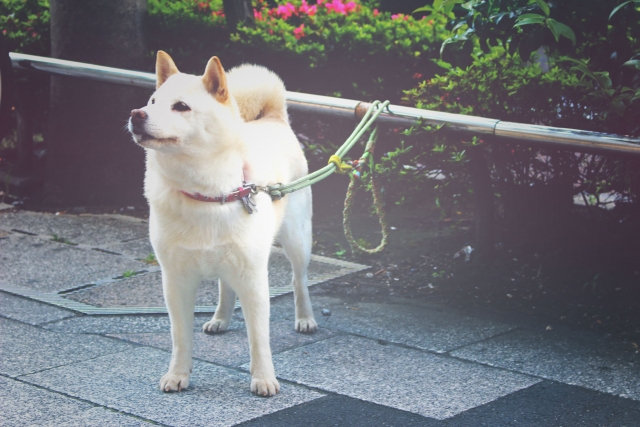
point(138, 120)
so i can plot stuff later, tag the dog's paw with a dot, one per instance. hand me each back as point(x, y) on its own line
point(174, 382)
point(306, 325)
point(265, 386)
point(215, 326)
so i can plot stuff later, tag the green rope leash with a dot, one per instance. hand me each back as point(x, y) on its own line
point(277, 191)
point(367, 157)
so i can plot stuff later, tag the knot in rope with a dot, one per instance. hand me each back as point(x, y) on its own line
point(340, 166)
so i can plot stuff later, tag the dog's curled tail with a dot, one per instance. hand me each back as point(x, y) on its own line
point(258, 92)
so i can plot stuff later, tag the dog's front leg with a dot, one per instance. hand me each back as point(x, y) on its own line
point(179, 289)
point(254, 299)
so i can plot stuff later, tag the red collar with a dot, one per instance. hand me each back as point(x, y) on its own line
point(238, 194)
point(243, 194)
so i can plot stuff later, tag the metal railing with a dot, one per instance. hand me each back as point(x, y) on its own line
point(577, 140)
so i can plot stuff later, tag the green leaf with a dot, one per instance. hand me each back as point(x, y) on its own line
point(566, 31)
point(448, 5)
point(544, 6)
point(632, 63)
point(603, 79)
point(458, 26)
point(617, 8)
point(425, 8)
point(443, 64)
point(618, 106)
point(530, 15)
point(529, 18)
point(558, 29)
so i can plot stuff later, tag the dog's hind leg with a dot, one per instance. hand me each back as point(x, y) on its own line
point(179, 288)
point(226, 303)
point(296, 240)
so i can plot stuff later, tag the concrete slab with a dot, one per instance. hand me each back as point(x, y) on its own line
point(25, 349)
point(26, 405)
point(342, 411)
point(415, 326)
point(232, 347)
point(591, 363)
point(85, 229)
point(128, 382)
point(146, 290)
point(411, 380)
point(41, 265)
point(29, 311)
point(552, 404)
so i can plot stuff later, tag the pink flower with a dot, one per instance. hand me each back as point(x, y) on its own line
point(396, 16)
point(309, 10)
point(257, 15)
point(299, 32)
point(285, 11)
point(339, 7)
point(376, 12)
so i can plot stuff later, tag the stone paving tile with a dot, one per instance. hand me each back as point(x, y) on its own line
point(89, 229)
point(411, 380)
point(46, 266)
point(25, 405)
point(128, 382)
point(112, 324)
point(139, 291)
point(137, 248)
point(231, 348)
point(593, 364)
point(29, 311)
point(25, 349)
point(414, 326)
point(146, 290)
point(134, 324)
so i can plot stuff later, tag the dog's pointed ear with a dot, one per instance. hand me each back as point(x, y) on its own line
point(165, 68)
point(215, 80)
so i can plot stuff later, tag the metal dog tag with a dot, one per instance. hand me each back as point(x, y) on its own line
point(249, 205)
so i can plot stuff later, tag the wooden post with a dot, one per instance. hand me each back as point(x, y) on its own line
point(484, 206)
point(237, 12)
point(91, 159)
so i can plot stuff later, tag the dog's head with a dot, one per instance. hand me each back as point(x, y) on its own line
point(186, 113)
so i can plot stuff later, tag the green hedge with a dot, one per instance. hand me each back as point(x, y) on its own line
point(25, 26)
point(347, 49)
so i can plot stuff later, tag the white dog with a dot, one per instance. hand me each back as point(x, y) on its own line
point(205, 137)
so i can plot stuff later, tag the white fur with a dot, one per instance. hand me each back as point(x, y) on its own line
point(208, 150)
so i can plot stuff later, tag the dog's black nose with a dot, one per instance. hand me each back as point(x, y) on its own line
point(138, 116)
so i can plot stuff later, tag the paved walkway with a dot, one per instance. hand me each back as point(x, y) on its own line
point(84, 341)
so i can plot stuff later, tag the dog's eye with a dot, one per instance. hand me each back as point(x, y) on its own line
point(153, 100)
point(180, 106)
